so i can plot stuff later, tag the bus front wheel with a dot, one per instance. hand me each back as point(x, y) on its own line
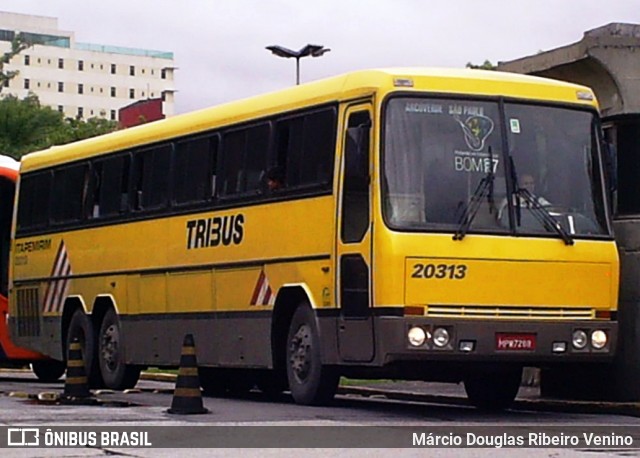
point(310, 382)
point(116, 374)
point(493, 390)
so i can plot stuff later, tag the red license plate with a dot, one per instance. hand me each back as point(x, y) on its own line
point(515, 342)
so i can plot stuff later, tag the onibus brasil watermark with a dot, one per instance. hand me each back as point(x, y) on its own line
point(34, 437)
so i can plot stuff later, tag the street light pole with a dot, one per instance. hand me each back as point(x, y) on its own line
point(308, 50)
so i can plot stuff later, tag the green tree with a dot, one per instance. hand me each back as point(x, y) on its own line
point(17, 46)
point(74, 129)
point(486, 65)
point(27, 126)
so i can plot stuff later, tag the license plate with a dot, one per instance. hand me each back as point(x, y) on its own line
point(515, 342)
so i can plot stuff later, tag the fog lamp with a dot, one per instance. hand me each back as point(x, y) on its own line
point(467, 346)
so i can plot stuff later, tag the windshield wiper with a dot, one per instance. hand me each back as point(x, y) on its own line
point(543, 216)
point(484, 188)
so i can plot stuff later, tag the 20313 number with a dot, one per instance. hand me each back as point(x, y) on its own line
point(440, 271)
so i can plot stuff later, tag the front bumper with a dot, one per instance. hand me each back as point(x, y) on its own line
point(527, 342)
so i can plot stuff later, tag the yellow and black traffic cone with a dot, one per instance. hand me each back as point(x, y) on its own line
point(187, 397)
point(76, 384)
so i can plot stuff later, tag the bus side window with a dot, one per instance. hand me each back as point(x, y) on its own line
point(113, 178)
point(305, 146)
point(151, 177)
point(194, 171)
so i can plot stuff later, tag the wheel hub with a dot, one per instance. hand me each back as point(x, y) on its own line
point(109, 347)
point(300, 353)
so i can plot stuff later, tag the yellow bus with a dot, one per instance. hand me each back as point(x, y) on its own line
point(426, 224)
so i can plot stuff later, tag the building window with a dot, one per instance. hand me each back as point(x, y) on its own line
point(163, 74)
point(27, 60)
point(113, 115)
point(113, 92)
point(60, 87)
point(80, 112)
point(26, 83)
point(113, 69)
point(60, 108)
point(80, 65)
point(132, 70)
point(132, 93)
point(80, 88)
point(60, 63)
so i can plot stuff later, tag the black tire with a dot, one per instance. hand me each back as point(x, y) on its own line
point(310, 382)
point(116, 374)
point(48, 370)
point(80, 327)
point(493, 391)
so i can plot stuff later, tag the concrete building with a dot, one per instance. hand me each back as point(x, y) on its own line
point(80, 79)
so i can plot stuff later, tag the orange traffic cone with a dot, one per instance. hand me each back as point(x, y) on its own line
point(76, 385)
point(187, 397)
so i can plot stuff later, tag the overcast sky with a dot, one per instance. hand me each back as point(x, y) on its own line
point(219, 45)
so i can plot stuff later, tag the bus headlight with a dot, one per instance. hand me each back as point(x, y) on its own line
point(598, 339)
point(417, 336)
point(441, 337)
point(579, 339)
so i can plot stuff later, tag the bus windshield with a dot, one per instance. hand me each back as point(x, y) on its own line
point(455, 165)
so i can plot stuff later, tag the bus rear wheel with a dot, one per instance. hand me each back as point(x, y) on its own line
point(493, 390)
point(80, 327)
point(48, 370)
point(310, 382)
point(116, 374)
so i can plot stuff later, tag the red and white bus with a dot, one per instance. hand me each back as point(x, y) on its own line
point(10, 354)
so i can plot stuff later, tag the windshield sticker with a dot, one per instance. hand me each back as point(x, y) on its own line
point(467, 161)
point(416, 107)
point(514, 124)
point(476, 129)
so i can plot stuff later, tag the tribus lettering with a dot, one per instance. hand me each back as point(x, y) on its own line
point(211, 232)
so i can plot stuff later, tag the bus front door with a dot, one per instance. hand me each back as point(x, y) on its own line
point(355, 326)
